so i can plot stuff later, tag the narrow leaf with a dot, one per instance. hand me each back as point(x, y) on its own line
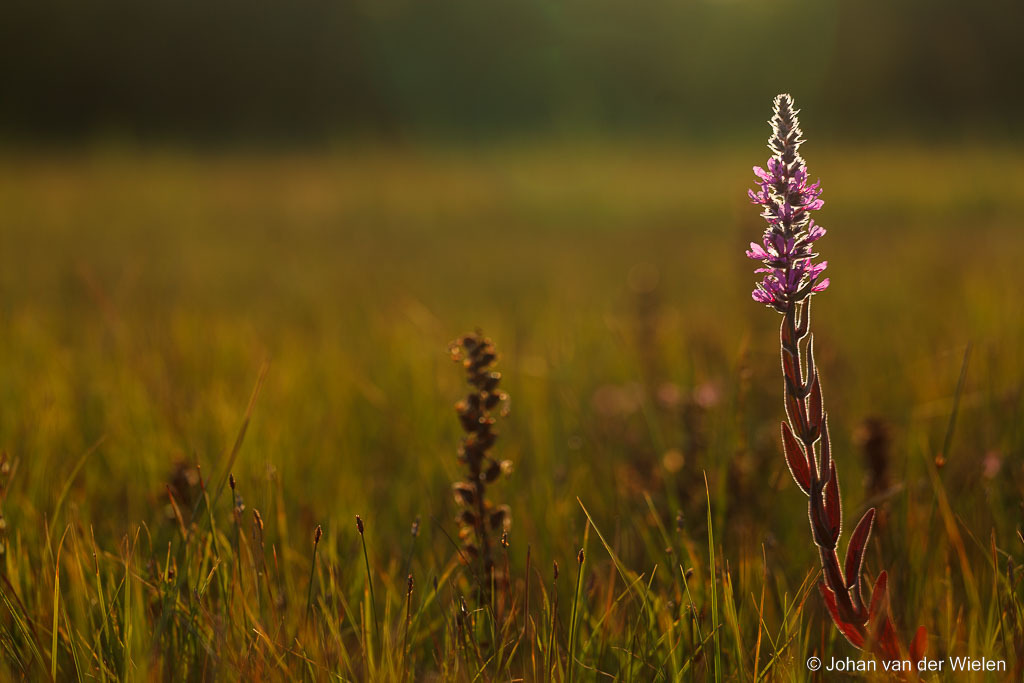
point(850, 631)
point(789, 368)
point(796, 413)
point(833, 505)
point(825, 461)
point(56, 606)
point(919, 644)
point(814, 409)
point(855, 551)
point(805, 319)
point(786, 333)
point(878, 596)
point(796, 459)
point(888, 643)
point(810, 357)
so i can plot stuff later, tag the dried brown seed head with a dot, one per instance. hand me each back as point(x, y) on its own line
point(500, 518)
point(481, 521)
point(317, 534)
point(465, 494)
point(492, 473)
point(359, 524)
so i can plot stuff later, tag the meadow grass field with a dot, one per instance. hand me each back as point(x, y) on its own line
point(170, 318)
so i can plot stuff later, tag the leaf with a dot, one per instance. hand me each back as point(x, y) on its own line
point(810, 357)
point(789, 368)
point(805, 318)
point(833, 505)
point(883, 635)
point(795, 412)
point(850, 631)
point(888, 644)
point(796, 459)
point(814, 409)
point(786, 334)
point(878, 596)
point(919, 644)
point(825, 461)
point(56, 605)
point(855, 551)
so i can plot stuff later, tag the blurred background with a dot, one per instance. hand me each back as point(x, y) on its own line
point(311, 71)
point(339, 187)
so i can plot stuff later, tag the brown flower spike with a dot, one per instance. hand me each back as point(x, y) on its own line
point(480, 521)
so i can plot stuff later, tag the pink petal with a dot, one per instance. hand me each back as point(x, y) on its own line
point(757, 252)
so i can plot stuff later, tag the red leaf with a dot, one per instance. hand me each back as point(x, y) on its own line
point(918, 645)
point(789, 368)
point(887, 642)
point(796, 459)
point(814, 409)
point(805, 318)
point(855, 551)
point(825, 461)
point(880, 628)
point(878, 596)
point(810, 357)
point(795, 412)
point(786, 333)
point(852, 633)
point(833, 505)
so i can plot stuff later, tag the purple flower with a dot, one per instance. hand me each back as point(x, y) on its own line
point(786, 199)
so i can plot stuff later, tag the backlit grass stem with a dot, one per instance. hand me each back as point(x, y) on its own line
point(369, 579)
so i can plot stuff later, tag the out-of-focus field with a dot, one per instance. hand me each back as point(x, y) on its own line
point(140, 294)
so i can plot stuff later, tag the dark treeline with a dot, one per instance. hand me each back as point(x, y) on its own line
point(300, 69)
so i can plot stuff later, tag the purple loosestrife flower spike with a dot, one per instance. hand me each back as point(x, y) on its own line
point(790, 278)
point(787, 199)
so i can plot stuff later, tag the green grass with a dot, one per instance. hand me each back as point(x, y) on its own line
point(285, 318)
